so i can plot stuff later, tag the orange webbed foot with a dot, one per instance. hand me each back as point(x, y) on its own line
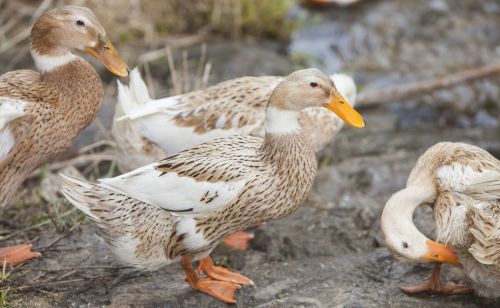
point(238, 240)
point(18, 254)
point(434, 286)
point(221, 290)
point(222, 274)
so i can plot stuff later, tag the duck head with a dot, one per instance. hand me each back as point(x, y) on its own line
point(60, 30)
point(402, 238)
point(311, 88)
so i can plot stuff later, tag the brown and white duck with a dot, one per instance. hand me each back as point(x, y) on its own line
point(42, 111)
point(462, 183)
point(147, 130)
point(181, 207)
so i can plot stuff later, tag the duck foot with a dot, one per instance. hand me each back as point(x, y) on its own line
point(434, 286)
point(221, 290)
point(238, 240)
point(220, 273)
point(18, 254)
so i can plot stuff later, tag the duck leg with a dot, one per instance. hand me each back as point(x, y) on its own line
point(434, 286)
point(14, 255)
point(220, 273)
point(238, 240)
point(221, 290)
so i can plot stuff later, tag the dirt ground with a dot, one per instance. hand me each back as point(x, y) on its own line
point(327, 254)
point(330, 252)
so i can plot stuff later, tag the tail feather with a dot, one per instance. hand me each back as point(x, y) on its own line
point(133, 96)
point(91, 199)
point(134, 230)
point(138, 87)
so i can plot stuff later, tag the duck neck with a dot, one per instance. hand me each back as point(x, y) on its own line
point(47, 54)
point(281, 122)
point(73, 78)
point(398, 212)
point(284, 143)
point(49, 63)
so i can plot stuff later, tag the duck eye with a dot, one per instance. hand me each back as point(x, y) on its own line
point(80, 23)
point(313, 84)
point(405, 245)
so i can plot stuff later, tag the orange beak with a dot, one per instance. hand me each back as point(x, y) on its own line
point(105, 53)
point(340, 107)
point(440, 253)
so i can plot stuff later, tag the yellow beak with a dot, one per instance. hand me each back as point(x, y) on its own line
point(440, 253)
point(105, 53)
point(339, 105)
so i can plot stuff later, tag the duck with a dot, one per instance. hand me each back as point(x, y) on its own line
point(42, 111)
point(179, 208)
point(146, 130)
point(462, 183)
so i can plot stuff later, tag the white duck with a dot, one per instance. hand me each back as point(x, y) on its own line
point(181, 207)
point(148, 130)
point(462, 183)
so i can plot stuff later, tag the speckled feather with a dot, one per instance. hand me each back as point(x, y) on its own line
point(145, 130)
point(277, 177)
point(182, 206)
point(58, 105)
point(467, 208)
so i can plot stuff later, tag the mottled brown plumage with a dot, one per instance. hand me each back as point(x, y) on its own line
point(462, 182)
point(59, 106)
point(42, 112)
point(147, 130)
point(182, 206)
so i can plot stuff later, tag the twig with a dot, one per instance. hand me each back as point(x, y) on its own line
point(407, 90)
point(201, 66)
point(76, 162)
point(95, 145)
point(47, 283)
point(173, 71)
point(60, 237)
point(92, 267)
point(3, 238)
point(206, 75)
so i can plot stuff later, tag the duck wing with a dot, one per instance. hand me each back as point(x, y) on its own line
point(20, 91)
point(234, 107)
point(200, 180)
point(479, 190)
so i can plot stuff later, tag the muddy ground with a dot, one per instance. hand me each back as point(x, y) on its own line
point(329, 253)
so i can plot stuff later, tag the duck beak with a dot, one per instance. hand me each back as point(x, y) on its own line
point(339, 105)
point(440, 253)
point(105, 53)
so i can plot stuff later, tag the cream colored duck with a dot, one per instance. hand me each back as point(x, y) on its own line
point(181, 207)
point(148, 130)
point(42, 111)
point(462, 183)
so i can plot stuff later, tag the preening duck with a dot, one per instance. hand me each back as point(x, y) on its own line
point(42, 111)
point(181, 207)
point(462, 183)
point(147, 130)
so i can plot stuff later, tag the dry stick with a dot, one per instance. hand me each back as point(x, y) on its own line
point(46, 283)
point(391, 94)
point(47, 221)
point(185, 71)
point(206, 75)
point(95, 145)
point(76, 162)
point(201, 65)
point(60, 237)
point(173, 71)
